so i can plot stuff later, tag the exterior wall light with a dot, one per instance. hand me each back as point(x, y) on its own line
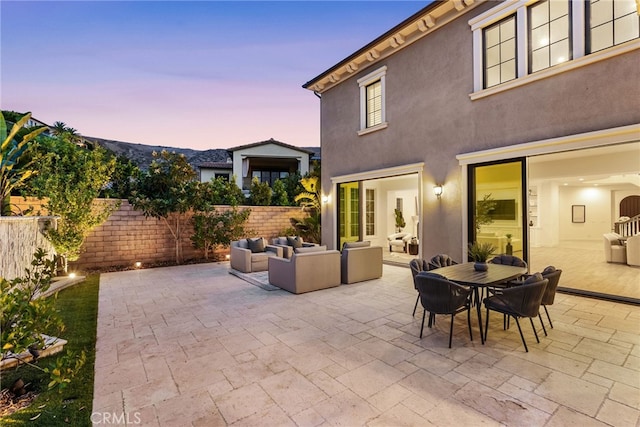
point(138, 264)
point(437, 190)
point(326, 199)
point(72, 275)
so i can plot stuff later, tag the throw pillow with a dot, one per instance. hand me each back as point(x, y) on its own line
point(549, 269)
point(310, 249)
point(294, 242)
point(256, 244)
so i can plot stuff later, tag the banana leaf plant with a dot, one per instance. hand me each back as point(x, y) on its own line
point(15, 168)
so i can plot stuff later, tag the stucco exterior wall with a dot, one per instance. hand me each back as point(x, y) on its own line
point(431, 119)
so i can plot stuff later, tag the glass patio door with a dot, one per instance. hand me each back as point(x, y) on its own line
point(348, 212)
point(498, 207)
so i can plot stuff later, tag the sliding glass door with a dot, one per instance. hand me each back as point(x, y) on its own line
point(348, 212)
point(498, 204)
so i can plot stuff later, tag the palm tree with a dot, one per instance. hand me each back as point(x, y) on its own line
point(59, 128)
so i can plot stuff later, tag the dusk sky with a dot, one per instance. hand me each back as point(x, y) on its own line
point(203, 74)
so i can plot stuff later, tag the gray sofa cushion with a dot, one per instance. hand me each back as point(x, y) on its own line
point(348, 245)
point(311, 249)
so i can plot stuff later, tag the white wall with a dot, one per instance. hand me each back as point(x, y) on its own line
point(598, 218)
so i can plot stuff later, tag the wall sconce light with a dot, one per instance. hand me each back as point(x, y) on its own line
point(72, 275)
point(138, 264)
point(437, 190)
point(326, 199)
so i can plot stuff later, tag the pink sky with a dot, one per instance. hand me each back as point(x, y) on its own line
point(182, 74)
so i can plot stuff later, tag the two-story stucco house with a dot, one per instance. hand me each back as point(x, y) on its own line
point(531, 105)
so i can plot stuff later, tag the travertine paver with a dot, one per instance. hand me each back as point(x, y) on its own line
point(194, 345)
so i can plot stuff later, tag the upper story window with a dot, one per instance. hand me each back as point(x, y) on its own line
point(372, 101)
point(374, 104)
point(611, 23)
point(500, 52)
point(549, 34)
point(550, 37)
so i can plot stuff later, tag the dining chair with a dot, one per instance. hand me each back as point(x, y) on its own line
point(417, 265)
point(518, 301)
point(441, 296)
point(440, 260)
point(553, 275)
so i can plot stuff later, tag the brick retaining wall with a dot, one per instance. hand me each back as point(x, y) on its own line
point(128, 237)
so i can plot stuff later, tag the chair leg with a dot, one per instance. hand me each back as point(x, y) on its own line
point(469, 321)
point(542, 323)
point(521, 336)
point(432, 320)
point(534, 330)
point(486, 326)
point(422, 327)
point(451, 330)
point(545, 310)
point(416, 306)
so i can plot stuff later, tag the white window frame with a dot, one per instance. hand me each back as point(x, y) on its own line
point(373, 211)
point(519, 8)
point(363, 82)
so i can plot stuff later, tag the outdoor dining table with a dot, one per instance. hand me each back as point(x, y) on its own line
point(465, 274)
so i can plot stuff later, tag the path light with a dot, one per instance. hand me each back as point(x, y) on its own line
point(138, 264)
point(72, 275)
point(437, 190)
point(227, 257)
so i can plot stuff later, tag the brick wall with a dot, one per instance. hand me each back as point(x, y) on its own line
point(128, 237)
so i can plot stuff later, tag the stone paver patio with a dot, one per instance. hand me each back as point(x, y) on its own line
point(194, 345)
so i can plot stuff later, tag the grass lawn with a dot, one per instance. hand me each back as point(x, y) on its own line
point(78, 308)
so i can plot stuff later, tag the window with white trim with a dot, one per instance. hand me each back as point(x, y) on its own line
point(370, 212)
point(500, 52)
point(372, 101)
point(611, 23)
point(548, 33)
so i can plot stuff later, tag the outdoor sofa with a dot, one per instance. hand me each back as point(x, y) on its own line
point(251, 255)
point(308, 269)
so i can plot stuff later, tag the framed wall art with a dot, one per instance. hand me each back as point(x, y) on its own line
point(577, 213)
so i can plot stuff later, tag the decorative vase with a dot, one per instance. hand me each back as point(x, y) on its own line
point(480, 266)
point(509, 249)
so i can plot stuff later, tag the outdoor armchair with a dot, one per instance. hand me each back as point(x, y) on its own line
point(359, 261)
point(251, 255)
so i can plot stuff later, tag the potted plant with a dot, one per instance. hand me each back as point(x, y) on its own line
point(509, 248)
point(480, 253)
point(400, 223)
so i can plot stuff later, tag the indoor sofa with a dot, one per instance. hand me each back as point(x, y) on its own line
point(360, 261)
point(614, 249)
point(308, 269)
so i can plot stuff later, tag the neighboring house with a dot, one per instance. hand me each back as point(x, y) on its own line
point(474, 98)
point(266, 160)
